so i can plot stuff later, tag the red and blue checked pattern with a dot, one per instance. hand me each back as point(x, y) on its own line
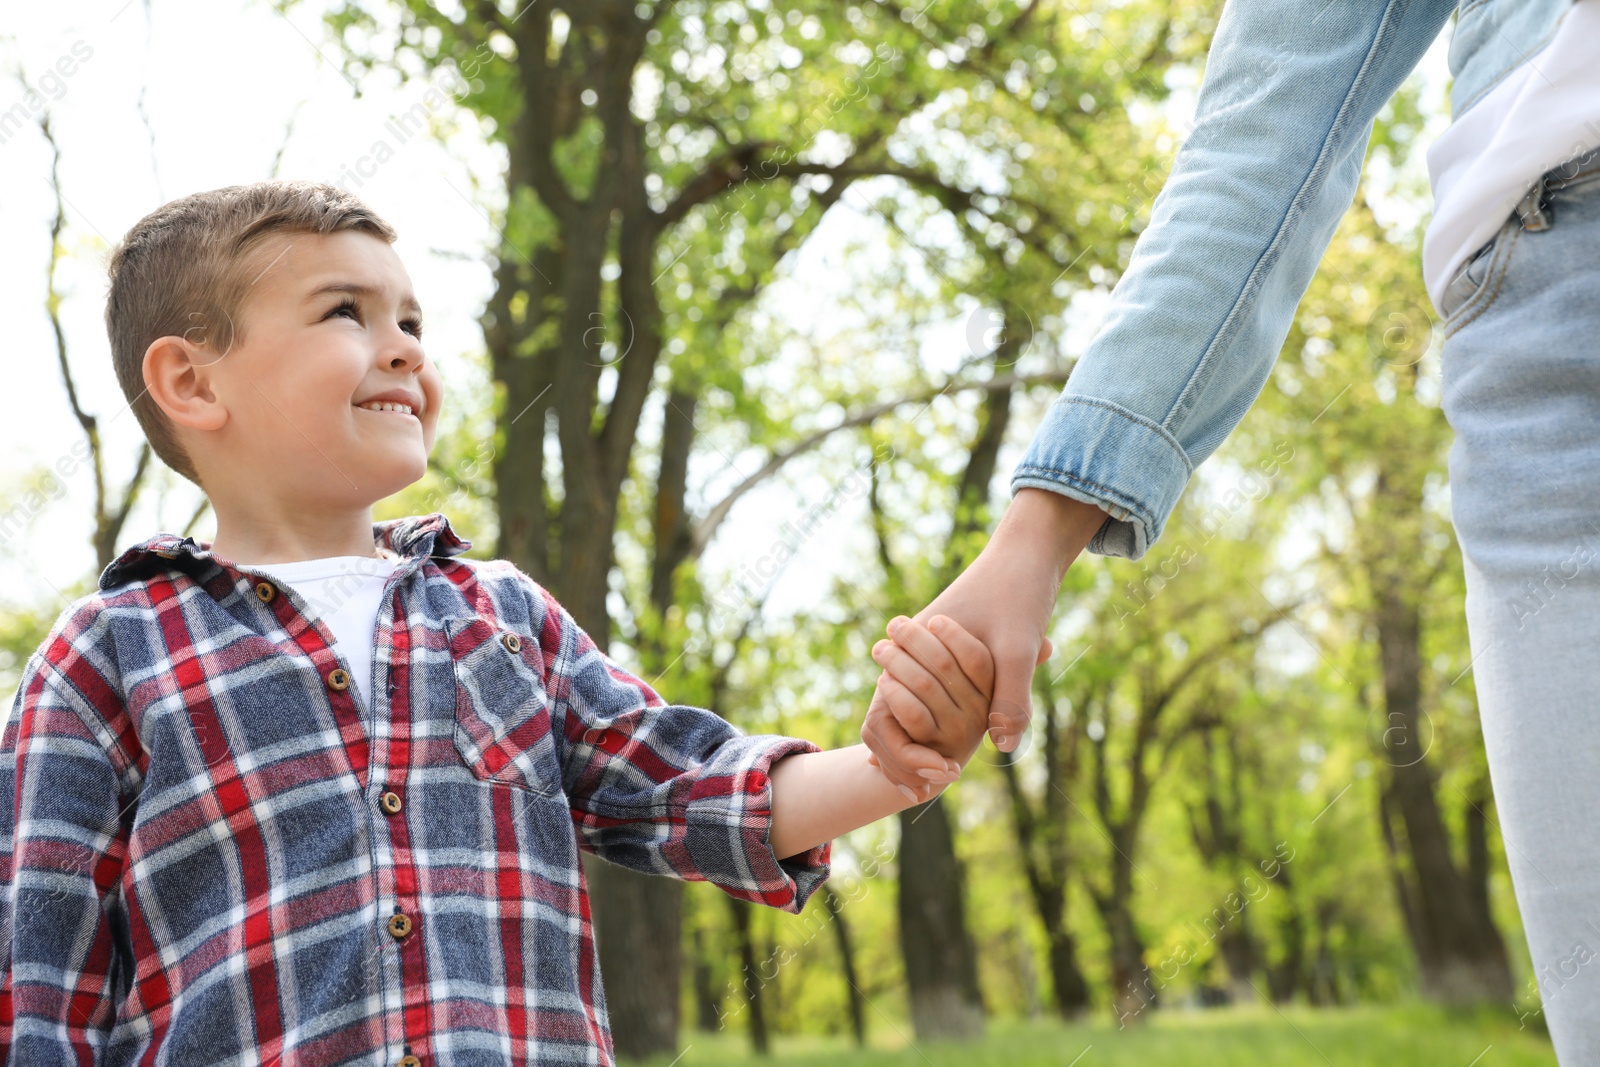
point(213, 855)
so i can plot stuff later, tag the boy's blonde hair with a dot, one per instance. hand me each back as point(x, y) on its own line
point(186, 268)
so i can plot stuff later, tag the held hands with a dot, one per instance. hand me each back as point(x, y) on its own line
point(939, 677)
point(1004, 599)
point(937, 682)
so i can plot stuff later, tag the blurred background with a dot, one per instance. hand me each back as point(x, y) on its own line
point(810, 273)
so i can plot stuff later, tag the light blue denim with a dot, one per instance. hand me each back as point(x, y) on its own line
point(1281, 128)
point(1196, 322)
point(1521, 389)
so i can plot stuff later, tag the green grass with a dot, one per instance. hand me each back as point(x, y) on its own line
point(1411, 1036)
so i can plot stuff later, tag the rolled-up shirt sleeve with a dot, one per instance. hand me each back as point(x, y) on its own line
point(666, 788)
point(1193, 327)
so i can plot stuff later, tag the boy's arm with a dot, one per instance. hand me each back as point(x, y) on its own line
point(665, 788)
point(817, 796)
point(61, 849)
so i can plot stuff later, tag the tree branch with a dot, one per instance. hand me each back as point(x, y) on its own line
point(719, 175)
point(706, 528)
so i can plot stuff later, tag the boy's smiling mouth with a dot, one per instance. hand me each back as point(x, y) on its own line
point(384, 405)
point(394, 401)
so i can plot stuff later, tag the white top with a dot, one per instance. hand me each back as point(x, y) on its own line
point(345, 592)
point(1543, 115)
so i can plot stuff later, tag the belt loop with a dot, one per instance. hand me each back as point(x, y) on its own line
point(1534, 209)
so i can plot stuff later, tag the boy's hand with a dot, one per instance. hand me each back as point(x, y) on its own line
point(937, 682)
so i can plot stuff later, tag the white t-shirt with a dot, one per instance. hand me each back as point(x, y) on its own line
point(345, 592)
point(1545, 114)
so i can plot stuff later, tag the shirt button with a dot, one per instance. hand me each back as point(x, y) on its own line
point(338, 678)
point(512, 642)
point(399, 926)
point(410, 1061)
point(265, 592)
point(390, 802)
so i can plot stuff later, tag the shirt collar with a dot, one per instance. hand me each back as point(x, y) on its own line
point(416, 537)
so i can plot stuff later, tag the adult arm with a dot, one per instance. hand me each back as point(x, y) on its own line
point(1194, 325)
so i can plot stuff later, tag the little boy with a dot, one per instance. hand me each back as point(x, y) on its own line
point(314, 792)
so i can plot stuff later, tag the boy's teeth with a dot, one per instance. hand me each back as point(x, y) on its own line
point(385, 405)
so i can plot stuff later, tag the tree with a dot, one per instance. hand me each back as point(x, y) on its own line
point(1045, 848)
point(651, 144)
point(110, 508)
point(1153, 655)
point(1377, 460)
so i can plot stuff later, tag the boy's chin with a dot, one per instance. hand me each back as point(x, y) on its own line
point(391, 475)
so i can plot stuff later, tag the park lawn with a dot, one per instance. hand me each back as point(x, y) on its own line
point(1411, 1036)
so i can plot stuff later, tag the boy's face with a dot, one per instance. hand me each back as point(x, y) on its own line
point(311, 355)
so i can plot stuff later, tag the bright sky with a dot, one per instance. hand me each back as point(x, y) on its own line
point(153, 100)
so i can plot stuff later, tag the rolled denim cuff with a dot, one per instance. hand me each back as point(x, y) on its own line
point(1102, 453)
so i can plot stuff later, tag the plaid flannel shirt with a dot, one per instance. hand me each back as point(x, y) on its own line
point(212, 855)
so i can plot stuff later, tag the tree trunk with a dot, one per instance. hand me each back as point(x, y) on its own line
point(1217, 826)
point(1284, 977)
point(1069, 988)
point(1237, 947)
point(1460, 954)
point(707, 997)
point(1132, 989)
point(1046, 856)
point(633, 970)
point(941, 968)
point(847, 965)
point(1047, 874)
point(750, 977)
point(637, 917)
point(1322, 985)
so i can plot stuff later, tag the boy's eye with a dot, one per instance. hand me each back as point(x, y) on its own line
point(412, 326)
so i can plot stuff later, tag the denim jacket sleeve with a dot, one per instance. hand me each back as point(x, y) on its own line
point(1193, 328)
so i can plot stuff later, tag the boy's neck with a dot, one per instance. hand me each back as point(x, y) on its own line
point(250, 533)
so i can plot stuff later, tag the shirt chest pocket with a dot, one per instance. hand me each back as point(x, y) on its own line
point(502, 714)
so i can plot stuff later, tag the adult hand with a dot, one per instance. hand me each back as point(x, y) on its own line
point(1004, 598)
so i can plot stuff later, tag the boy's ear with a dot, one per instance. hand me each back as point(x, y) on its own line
point(177, 375)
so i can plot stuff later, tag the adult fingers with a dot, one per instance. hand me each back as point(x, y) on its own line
point(1012, 707)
